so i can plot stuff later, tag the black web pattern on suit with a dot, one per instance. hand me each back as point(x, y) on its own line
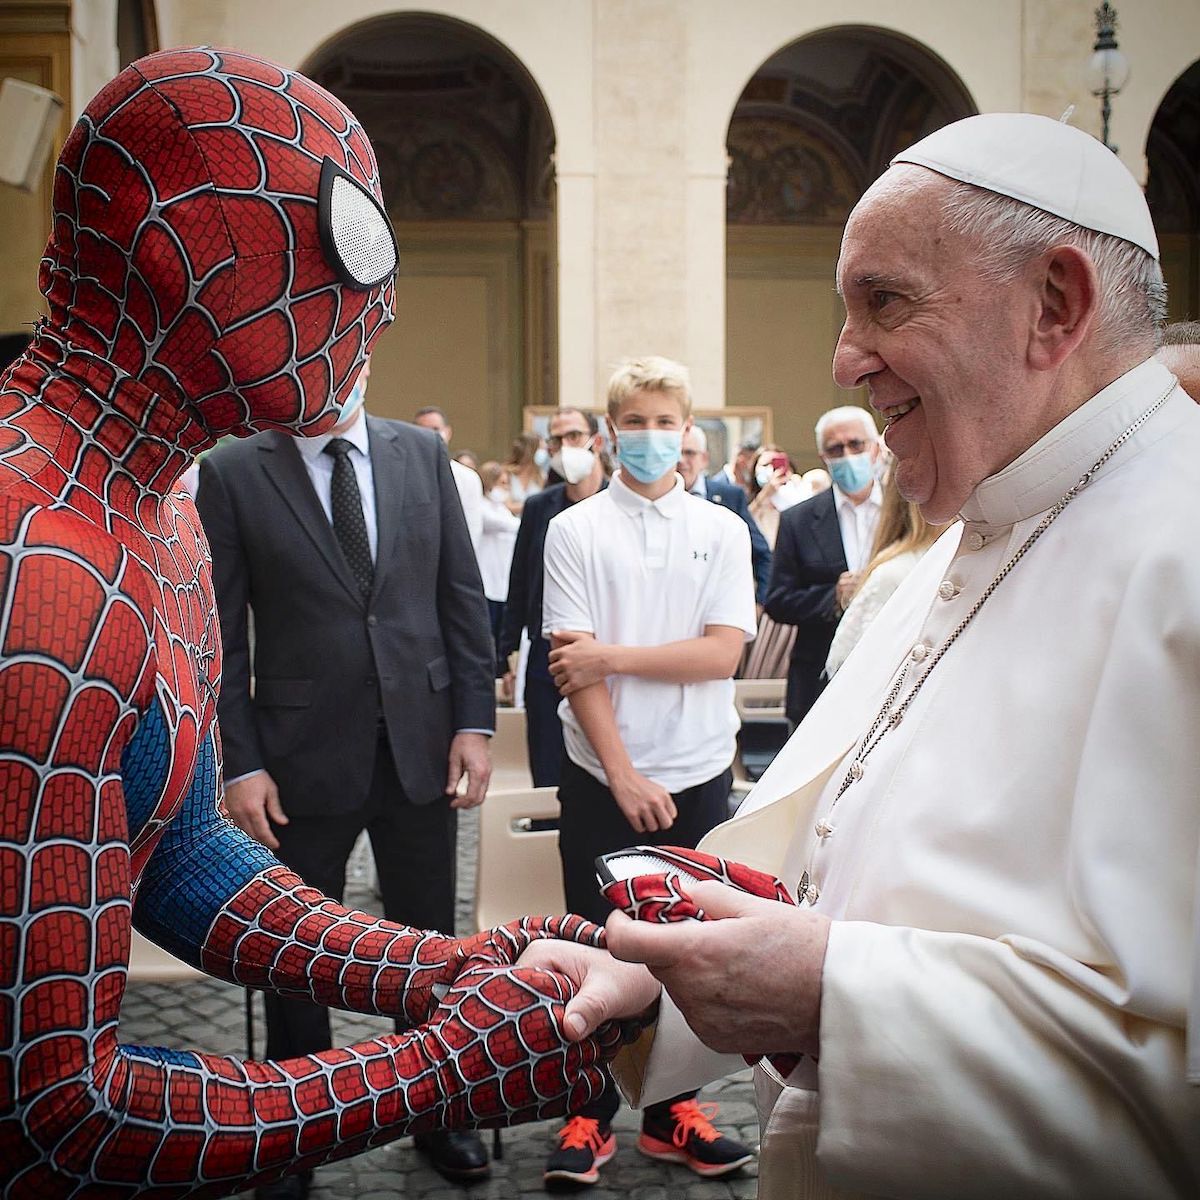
point(348, 524)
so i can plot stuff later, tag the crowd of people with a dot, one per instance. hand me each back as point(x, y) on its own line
point(974, 967)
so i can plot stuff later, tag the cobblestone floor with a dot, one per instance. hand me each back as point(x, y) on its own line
point(210, 1015)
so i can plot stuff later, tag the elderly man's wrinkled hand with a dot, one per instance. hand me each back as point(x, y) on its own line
point(606, 989)
point(747, 979)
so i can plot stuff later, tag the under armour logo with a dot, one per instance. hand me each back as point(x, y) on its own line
point(700, 554)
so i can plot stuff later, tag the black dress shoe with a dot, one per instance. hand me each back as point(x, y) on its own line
point(290, 1187)
point(459, 1157)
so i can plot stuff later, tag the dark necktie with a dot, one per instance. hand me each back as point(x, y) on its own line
point(349, 527)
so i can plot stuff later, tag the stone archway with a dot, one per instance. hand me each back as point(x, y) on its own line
point(1173, 190)
point(818, 121)
point(465, 143)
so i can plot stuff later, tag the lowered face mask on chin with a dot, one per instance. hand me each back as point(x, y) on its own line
point(573, 463)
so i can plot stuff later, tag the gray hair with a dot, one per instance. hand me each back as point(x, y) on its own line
point(1133, 297)
point(847, 412)
point(700, 436)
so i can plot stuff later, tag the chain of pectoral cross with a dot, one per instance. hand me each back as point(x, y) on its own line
point(888, 717)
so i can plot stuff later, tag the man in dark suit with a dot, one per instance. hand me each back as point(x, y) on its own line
point(372, 666)
point(822, 546)
point(574, 445)
point(693, 462)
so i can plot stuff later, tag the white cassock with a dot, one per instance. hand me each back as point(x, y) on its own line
point(1013, 878)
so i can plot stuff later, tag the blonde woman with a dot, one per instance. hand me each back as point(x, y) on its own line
point(903, 536)
point(774, 486)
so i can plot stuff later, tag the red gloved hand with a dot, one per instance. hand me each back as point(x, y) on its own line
point(495, 1054)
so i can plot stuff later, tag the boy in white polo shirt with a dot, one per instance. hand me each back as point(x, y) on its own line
point(649, 599)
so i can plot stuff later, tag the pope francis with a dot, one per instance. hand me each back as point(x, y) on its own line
point(991, 818)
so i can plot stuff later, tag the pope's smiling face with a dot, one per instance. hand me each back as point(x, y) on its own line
point(941, 351)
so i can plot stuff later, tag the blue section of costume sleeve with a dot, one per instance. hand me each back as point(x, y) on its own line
point(145, 762)
point(200, 864)
point(158, 1054)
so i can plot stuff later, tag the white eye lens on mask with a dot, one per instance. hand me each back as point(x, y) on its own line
point(356, 235)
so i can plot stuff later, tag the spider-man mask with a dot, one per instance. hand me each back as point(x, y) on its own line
point(219, 236)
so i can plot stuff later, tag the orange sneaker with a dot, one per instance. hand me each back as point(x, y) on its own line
point(584, 1146)
point(688, 1136)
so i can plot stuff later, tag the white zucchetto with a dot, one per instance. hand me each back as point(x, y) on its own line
point(1044, 163)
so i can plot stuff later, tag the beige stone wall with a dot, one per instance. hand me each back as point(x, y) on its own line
point(640, 93)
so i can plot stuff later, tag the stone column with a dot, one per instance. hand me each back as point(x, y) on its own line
point(641, 192)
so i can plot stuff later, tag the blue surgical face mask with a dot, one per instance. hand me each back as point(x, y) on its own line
point(353, 402)
point(648, 454)
point(542, 458)
point(852, 473)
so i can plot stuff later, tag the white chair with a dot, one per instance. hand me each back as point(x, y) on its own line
point(510, 756)
point(760, 706)
point(149, 963)
point(518, 871)
point(759, 697)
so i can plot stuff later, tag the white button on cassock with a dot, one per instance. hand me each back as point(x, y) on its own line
point(823, 827)
point(919, 651)
point(948, 589)
point(974, 540)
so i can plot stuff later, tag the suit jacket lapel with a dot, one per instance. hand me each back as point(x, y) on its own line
point(389, 463)
point(827, 531)
point(285, 469)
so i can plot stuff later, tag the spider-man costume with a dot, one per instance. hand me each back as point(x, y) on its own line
point(219, 263)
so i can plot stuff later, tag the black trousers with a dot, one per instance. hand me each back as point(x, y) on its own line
point(805, 683)
point(543, 730)
point(592, 824)
point(414, 847)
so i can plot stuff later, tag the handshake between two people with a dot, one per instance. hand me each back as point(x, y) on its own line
point(533, 1011)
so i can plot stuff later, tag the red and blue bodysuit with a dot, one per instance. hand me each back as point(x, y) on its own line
point(219, 263)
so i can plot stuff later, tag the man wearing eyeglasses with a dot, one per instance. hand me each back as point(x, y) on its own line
point(822, 546)
point(575, 448)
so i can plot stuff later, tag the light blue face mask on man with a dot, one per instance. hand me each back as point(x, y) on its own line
point(648, 454)
point(352, 403)
point(851, 473)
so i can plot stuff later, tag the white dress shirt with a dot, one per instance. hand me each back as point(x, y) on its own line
point(858, 523)
point(319, 466)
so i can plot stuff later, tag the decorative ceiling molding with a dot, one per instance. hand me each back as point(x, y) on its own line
point(845, 129)
point(459, 134)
